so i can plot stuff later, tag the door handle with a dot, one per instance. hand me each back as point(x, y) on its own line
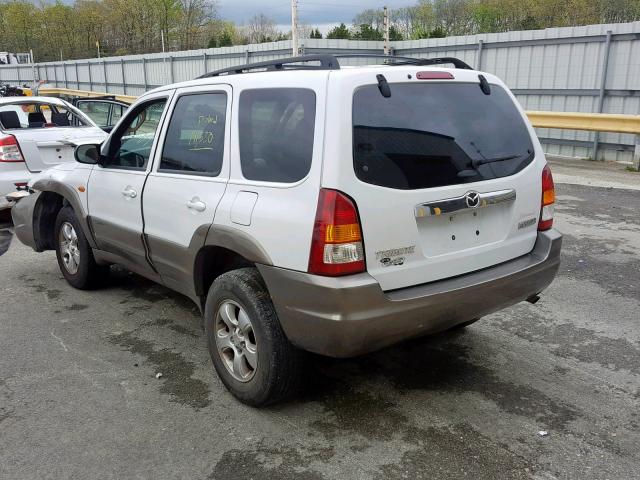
point(129, 192)
point(196, 204)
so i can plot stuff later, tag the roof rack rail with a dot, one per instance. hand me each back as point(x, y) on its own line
point(330, 62)
point(326, 62)
point(396, 60)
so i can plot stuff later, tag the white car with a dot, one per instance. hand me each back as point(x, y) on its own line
point(37, 133)
point(310, 207)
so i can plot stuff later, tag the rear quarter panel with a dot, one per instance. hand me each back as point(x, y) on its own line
point(283, 216)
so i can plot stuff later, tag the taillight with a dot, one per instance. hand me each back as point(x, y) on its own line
point(548, 199)
point(10, 150)
point(336, 246)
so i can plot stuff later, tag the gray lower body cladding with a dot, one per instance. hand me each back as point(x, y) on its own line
point(349, 316)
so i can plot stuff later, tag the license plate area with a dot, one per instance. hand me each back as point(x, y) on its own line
point(449, 233)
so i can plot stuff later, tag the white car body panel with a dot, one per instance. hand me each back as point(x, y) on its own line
point(282, 218)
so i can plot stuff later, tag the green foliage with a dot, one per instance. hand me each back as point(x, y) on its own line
point(315, 34)
point(366, 32)
point(394, 34)
point(440, 18)
point(437, 32)
point(225, 40)
point(339, 32)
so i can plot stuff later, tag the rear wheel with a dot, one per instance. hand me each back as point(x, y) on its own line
point(75, 257)
point(249, 350)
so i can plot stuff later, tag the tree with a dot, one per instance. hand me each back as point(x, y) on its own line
point(371, 17)
point(194, 16)
point(315, 34)
point(225, 40)
point(20, 17)
point(394, 34)
point(339, 32)
point(261, 29)
point(366, 32)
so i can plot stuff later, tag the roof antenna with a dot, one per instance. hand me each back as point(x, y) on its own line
point(484, 85)
point(383, 86)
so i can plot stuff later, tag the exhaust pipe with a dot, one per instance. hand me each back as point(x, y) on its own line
point(533, 299)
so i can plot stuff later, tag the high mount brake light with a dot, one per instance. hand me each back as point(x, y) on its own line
point(10, 150)
point(547, 201)
point(336, 245)
point(434, 76)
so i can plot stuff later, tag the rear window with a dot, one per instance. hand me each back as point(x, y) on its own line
point(437, 134)
point(37, 115)
point(276, 128)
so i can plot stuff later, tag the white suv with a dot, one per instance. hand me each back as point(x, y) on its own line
point(304, 206)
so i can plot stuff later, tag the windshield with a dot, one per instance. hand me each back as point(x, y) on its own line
point(437, 134)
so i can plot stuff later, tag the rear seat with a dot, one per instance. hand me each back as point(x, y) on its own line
point(36, 120)
point(9, 120)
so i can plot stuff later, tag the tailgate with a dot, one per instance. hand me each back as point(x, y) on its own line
point(447, 178)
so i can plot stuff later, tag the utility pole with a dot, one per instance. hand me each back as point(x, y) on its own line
point(387, 50)
point(294, 27)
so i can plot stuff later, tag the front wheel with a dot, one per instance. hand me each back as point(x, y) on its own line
point(250, 352)
point(75, 257)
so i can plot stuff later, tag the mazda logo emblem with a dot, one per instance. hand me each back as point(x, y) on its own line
point(472, 199)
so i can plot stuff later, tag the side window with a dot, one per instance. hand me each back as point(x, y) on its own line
point(96, 111)
point(195, 138)
point(130, 147)
point(116, 113)
point(276, 128)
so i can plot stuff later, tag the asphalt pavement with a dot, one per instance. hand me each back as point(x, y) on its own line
point(79, 397)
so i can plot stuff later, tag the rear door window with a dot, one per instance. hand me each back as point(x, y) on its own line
point(437, 134)
point(276, 127)
point(194, 143)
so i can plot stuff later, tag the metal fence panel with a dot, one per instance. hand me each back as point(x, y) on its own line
point(559, 69)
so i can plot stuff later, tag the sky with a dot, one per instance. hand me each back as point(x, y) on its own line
point(317, 13)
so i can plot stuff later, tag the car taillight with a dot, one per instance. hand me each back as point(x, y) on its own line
point(548, 199)
point(336, 245)
point(10, 150)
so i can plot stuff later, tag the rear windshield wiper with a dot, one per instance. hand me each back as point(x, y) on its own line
point(483, 161)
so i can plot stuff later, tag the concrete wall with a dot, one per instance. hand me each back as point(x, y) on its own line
point(558, 69)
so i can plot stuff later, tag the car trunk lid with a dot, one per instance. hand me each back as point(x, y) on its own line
point(45, 147)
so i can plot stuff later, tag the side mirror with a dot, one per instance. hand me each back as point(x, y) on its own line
point(89, 154)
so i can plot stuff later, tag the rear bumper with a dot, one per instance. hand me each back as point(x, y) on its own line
point(22, 215)
point(348, 316)
point(8, 180)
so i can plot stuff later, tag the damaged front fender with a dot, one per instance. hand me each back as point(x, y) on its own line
point(22, 215)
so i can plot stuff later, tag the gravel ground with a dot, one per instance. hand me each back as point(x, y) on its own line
point(79, 397)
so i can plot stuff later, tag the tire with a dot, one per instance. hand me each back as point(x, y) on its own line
point(75, 257)
point(269, 367)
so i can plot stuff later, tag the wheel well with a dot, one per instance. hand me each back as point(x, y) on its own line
point(44, 219)
point(211, 262)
